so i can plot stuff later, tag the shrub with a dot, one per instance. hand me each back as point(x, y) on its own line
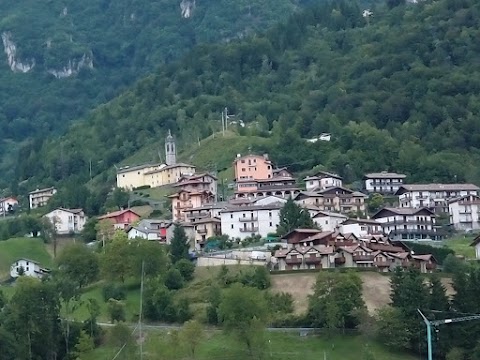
point(173, 279)
point(186, 268)
point(113, 291)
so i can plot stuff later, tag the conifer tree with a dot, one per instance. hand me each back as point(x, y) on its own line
point(438, 294)
point(293, 216)
point(179, 245)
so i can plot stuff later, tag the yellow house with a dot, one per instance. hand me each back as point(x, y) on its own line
point(131, 177)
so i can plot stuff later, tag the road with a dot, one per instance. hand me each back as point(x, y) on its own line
point(176, 327)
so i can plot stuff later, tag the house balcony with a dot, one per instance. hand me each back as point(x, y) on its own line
point(198, 216)
point(465, 211)
point(202, 230)
point(340, 260)
point(248, 219)
point(313, 260)
point(466, 221)
point(185, 206)
point(249, 229)
point(293, 261)
point(362, 257)
point(407, 222)
point(381, 263)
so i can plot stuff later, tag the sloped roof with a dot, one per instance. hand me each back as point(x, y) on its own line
point(116, 213)
point(436, 187)
point(385, 175)
point(401, 211)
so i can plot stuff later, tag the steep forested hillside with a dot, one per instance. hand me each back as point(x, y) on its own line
point(398, 90)
point(61, 57)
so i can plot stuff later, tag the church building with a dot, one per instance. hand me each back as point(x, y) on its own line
point(154, 175)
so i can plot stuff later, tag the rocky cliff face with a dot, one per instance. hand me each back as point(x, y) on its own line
point(73, 67)
point(14, 63)
point(187, 7)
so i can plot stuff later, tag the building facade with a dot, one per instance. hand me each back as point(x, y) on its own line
point(245, 221)
point(433, 196)
point(184, 200)
point(40, 197)
point(8, 205)
point(408, 223)
point(322, 180)
point(27, 267)
point(121, 219)
point(465, 213)
point(328, 221)
point(383, 182)
point(337, 199)
point(67, 221)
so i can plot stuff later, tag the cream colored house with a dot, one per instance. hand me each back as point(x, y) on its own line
point(40, 197)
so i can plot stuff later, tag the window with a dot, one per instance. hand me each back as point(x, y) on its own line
point(123, 175)
point(28, 269)
point(231, 226)
point(242, 161)
point(249, 162)
point(270, 215)
point(243, 169)
point(231, 217)
point(271, 224)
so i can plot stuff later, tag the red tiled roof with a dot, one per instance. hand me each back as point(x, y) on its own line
point(116, 213)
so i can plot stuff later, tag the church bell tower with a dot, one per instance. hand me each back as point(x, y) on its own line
point(170, 150)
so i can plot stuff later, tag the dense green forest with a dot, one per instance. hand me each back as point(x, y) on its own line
point(119, 41)
point(398, 90)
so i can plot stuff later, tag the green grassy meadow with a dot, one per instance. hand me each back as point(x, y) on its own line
point(30, 248)
point(279, 346)
point(461, 245)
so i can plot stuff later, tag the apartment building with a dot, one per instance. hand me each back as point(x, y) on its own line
point(408, 223)
point(249, 220)
point(40, 197)
point(465, 212)
point(383, 182)
point(433, 196)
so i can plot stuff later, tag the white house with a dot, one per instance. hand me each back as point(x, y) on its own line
point(322, 180)
point(408, 223)
point(67, 221)
point(244, 221)
point(149, 234)
point(40, 197)
point(29, 267)
point(383, 182)
point(465, 212)
point(328, 221)
point(361, 227)
point(7, 204)
point(433, 196)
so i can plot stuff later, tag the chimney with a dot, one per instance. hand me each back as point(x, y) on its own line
point(265, 156)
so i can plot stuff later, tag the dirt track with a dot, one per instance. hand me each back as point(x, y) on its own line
point(376, 288)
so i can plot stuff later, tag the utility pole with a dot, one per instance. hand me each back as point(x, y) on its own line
point(429, 324)
point(141, 311)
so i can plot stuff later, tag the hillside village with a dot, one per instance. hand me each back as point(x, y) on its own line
point(343, 236)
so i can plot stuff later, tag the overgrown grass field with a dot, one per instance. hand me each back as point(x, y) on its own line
point(279, 346)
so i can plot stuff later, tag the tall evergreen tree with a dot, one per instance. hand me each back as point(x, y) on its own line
point(179, 245)
point(293, 216)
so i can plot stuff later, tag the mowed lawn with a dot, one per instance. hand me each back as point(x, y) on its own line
point(30, 248)
point(278, 346)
